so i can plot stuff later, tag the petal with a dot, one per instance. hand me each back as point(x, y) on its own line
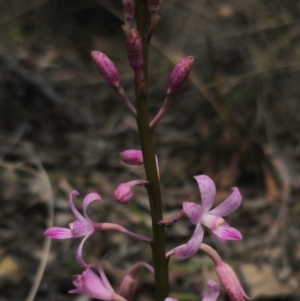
point(59, 233)
point(225, 232)
point(87, 200)
point(213, 291)
point(207, 190)
point(193, 244)
point(231, 204)
point(193, 211)
point(72, 206)
point(171, 299)
point(79, 258)
point(104, 278)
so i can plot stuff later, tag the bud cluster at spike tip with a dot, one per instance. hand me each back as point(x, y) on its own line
point(134, 49)
point(179, 75)
point(107, 69)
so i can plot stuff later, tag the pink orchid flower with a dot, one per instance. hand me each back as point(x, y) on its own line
point(202, 215)
point(83, 226)
point(90, 284)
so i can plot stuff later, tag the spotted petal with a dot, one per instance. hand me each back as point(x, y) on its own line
point(193, 244)
point(231, 204)
point(193, 211)
point(207, 190)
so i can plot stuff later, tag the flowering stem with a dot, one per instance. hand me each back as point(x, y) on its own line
point(147, 145)
point(116, 227)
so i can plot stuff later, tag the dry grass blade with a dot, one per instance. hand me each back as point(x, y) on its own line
point(47, 242)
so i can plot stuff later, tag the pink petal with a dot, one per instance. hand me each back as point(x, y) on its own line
point(207, 190)
point(72, 206)
point(213, 291)
point(193, 244)
point(171, 299)
point(225, 232)
point(193, 211)
point(59, 233)
point(87, 200)
point(103, 277)
point(79, 258)
point(231, 204)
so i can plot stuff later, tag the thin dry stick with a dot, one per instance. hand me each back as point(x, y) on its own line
point(47, 241)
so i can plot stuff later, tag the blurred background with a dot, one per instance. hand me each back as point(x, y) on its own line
point(236, 119)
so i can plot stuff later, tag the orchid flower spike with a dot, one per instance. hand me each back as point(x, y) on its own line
point(90, 284)
point(230, 282)
point(212, 219)
point(123, 193)
point(83, 226)
point(213, 291)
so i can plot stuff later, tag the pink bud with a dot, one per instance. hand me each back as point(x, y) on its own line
point(154, 6)
point(132, 157)
point(134, 49)
point(230, 282)
point(129, 10)
point(179, 75)
point(107, 69)
point(123, 193)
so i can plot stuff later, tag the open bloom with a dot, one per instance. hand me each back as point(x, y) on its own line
point(90, 284)
point(202, 215)
point(83, 226)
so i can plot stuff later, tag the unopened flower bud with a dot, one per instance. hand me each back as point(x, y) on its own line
point(230, 282)
point(179, 75)
point(132, 157)
point(129, 10)
point(107, 69)
point(154, 6)
point(134, 49)
point(123, 193)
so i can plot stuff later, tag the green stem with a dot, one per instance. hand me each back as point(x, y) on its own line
point(160, 263)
